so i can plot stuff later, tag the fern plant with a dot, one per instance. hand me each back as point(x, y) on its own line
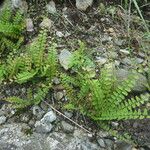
point(38, 61)
point(102, 98)
point(11, 27)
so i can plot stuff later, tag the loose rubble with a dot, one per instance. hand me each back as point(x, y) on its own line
point(40, 127)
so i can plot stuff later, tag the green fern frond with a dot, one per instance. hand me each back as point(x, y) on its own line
point(79, 61)
point(13, 66)
point(37, 50)
point(8, 43)
point(11, 27)
point(5, 14)
point(2, 72)
point(50, 64)
point(40, 95)
point(8, 28)
point(18, 102)
point(34, 62)
point(25, 76)
point(107, 79)
point(69, 82)
point(84, 90)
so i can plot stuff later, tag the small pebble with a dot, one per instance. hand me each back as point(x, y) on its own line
point(58, 96)
point(42, 127)
point(2, 119)
point(49, 117)
point(51, 8)
point(123, 51)
point(68, 128)
point(59, 34)
point(101, 142)
point(29, 25)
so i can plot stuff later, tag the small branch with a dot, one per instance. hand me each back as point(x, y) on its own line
point(67, 118)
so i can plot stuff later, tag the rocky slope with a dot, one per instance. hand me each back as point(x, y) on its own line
point(40, 127)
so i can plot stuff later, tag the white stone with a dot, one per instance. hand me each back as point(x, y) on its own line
point(49, 117)
point(126, 52)
point(46, 23)
point(65, 58)
point(29, 25)
point(59, 34)
point(83, 4)
point(51, 8)
point(58, 96)
point(2, 119)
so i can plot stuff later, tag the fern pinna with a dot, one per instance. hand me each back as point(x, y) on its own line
point(11, 27)
point(103, 98)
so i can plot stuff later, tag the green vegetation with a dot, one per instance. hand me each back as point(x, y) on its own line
point(31, 100)
point(97, 95)
point(11, 27)
point(38, 61)
point(33, 63)
point(102, 98)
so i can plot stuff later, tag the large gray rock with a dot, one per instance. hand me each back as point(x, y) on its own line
point(140, 84)
point(83, 4)
point(12, 137)
point(101, 60)
point(109, 143)
point(101, 142)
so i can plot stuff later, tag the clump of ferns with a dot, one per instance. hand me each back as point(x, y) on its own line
point(37, 64)
point(11, 28)
point(39, 61)
point(102, 98)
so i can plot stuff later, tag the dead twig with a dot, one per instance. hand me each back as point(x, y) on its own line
point(67, 118)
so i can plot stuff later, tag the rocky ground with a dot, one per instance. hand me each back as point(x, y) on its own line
point(106, 37)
